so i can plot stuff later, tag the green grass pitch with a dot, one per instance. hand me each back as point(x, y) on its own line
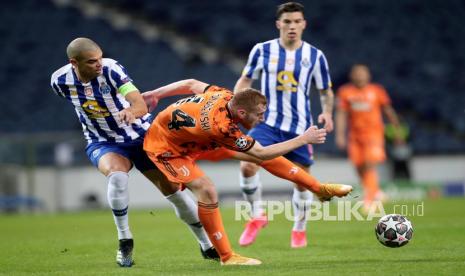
point(85, 244)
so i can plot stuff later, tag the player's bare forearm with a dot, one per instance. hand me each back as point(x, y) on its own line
point(391, 115)
point(341, 122)
point(312, 135)
point(394, 120)
point(327, 100)
point(138, 107)
point(341, 125)
point(183, 87)
point(243, 82)
point(244, 156)
point(273, 151)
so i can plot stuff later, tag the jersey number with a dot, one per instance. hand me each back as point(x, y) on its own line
point(180, 119)
point(191, 99)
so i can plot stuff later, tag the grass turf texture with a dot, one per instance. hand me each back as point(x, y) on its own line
point(85, 244)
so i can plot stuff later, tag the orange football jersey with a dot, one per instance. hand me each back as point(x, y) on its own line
point(196, 124)
point(364, 108)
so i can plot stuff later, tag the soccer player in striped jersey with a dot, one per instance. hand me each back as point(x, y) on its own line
point(114, 120)
point(287, 66)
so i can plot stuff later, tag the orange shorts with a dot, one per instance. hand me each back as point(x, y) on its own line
point(366, 150)
point(180, 170)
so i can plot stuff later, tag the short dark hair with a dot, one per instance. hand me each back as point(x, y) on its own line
point(79, 45)
point(289, 7)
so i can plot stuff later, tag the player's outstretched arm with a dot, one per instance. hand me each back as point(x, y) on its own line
point(312, 135)
point(183, 87)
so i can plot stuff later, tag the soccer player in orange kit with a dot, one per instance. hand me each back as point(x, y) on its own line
point(209, 121)
point(360, 107)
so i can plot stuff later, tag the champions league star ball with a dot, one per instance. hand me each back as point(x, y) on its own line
point(394, 230)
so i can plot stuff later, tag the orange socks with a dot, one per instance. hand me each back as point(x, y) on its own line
point(370, 184)
point(283, 168)
point(210, 217)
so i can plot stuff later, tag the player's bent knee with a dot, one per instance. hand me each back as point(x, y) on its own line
point(112, 162)
point(161, 182)
point(208, 193)
point(167, 188)
point(110, 168)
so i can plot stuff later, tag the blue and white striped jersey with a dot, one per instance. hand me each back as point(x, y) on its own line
point(286, 77)
point(98, 102)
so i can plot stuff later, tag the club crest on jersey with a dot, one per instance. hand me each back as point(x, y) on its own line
point(104, 88)
point(241, 142)
point(305, 63)
point(88, 91)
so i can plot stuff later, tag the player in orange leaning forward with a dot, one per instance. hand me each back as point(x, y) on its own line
point(208, 121)
point(360, 107)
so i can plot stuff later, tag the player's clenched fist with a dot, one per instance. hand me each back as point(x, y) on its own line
point(313, 135)
point(126, 116)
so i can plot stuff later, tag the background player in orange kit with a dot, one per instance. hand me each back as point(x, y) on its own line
point(360, 107)
point(210, 121)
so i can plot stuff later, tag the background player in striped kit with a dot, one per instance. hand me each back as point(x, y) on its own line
point(114, 120)
point(287, 66)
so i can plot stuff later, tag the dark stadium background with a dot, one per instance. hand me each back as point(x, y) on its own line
point(414, 48)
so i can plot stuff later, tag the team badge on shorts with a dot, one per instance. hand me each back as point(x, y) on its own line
point(241, 142)
point(95, 153)
point(104, 88)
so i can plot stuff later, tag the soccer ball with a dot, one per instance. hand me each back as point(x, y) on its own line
point(394, 230)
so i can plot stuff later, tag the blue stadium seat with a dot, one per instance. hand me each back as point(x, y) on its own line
point(414, 48)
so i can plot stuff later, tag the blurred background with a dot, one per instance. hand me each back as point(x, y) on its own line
point(415, 48)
